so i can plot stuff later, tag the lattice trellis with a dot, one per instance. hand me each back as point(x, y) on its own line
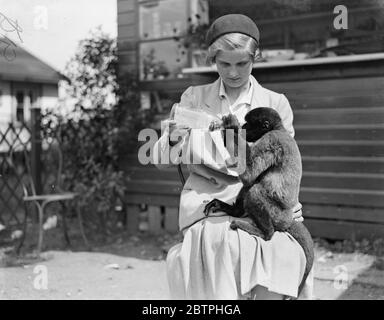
point(16, 137)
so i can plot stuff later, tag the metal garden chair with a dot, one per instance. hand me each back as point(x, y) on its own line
point(42, 200)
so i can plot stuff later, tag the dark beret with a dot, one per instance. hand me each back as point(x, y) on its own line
point(232, 23)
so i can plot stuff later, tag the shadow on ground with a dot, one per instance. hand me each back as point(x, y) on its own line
point(119, 266)
point(132, 266)
point(368, 285)
point(118, 241)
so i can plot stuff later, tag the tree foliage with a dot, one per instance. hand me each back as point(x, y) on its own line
point(102, 125)
point(92, 72)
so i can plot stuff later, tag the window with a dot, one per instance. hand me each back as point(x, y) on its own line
point(31, 98)
point(160, 21)
point(20, 106)
point(161, 60)
point(307, 25)
point(160, 55)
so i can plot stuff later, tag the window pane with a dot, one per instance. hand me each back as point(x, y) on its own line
point(20, 106)
point(161, 60)
point(159, 19)
point(20, 115)
point(31, 98)
point(20, 99)
point(307, 25)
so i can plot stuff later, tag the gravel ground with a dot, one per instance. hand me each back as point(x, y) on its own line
point(133, 267)
point(86, 275)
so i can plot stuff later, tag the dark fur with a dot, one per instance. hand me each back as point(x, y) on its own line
point(271, 181)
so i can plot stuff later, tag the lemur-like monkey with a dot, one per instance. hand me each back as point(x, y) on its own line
point(271, 181)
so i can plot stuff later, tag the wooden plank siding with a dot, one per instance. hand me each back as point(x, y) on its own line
point(339, 127)
point(339, 123)
point(127, 36)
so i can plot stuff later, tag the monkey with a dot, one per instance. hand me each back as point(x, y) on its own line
point(271, 181)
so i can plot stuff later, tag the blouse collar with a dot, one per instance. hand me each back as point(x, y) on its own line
point(213, 99)
point(245, 96)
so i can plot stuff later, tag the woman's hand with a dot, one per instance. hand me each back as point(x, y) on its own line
point(297, 213)
point(176, 131)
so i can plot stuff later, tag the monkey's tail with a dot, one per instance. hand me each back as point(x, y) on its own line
point(303, 237)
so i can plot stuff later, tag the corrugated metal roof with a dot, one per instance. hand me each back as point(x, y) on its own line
point(23, 66)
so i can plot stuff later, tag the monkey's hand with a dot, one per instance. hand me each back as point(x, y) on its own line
point(215, 125)
point(249, 227)
point(217, 205)
point(230, 122)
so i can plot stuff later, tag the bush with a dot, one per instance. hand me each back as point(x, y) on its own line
point(101, 126)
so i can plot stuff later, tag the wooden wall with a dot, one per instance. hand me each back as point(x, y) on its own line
point(340, 128)
point(127, 36)
point(339, 122)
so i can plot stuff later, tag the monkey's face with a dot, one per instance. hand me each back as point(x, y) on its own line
point(259, 121)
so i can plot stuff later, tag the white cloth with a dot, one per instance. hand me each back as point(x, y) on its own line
point(215, 262)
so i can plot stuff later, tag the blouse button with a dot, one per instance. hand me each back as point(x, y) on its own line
point(213, 180)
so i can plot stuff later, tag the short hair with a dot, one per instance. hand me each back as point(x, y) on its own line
point(233, 41)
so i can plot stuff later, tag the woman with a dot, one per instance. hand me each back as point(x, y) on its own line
point(214, 261)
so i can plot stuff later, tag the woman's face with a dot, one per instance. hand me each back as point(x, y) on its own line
point(234, 67)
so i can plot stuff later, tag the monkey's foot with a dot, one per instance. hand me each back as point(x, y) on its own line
point(217, 205)
point(249, 227)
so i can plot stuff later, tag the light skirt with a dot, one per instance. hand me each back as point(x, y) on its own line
point(216, 262)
